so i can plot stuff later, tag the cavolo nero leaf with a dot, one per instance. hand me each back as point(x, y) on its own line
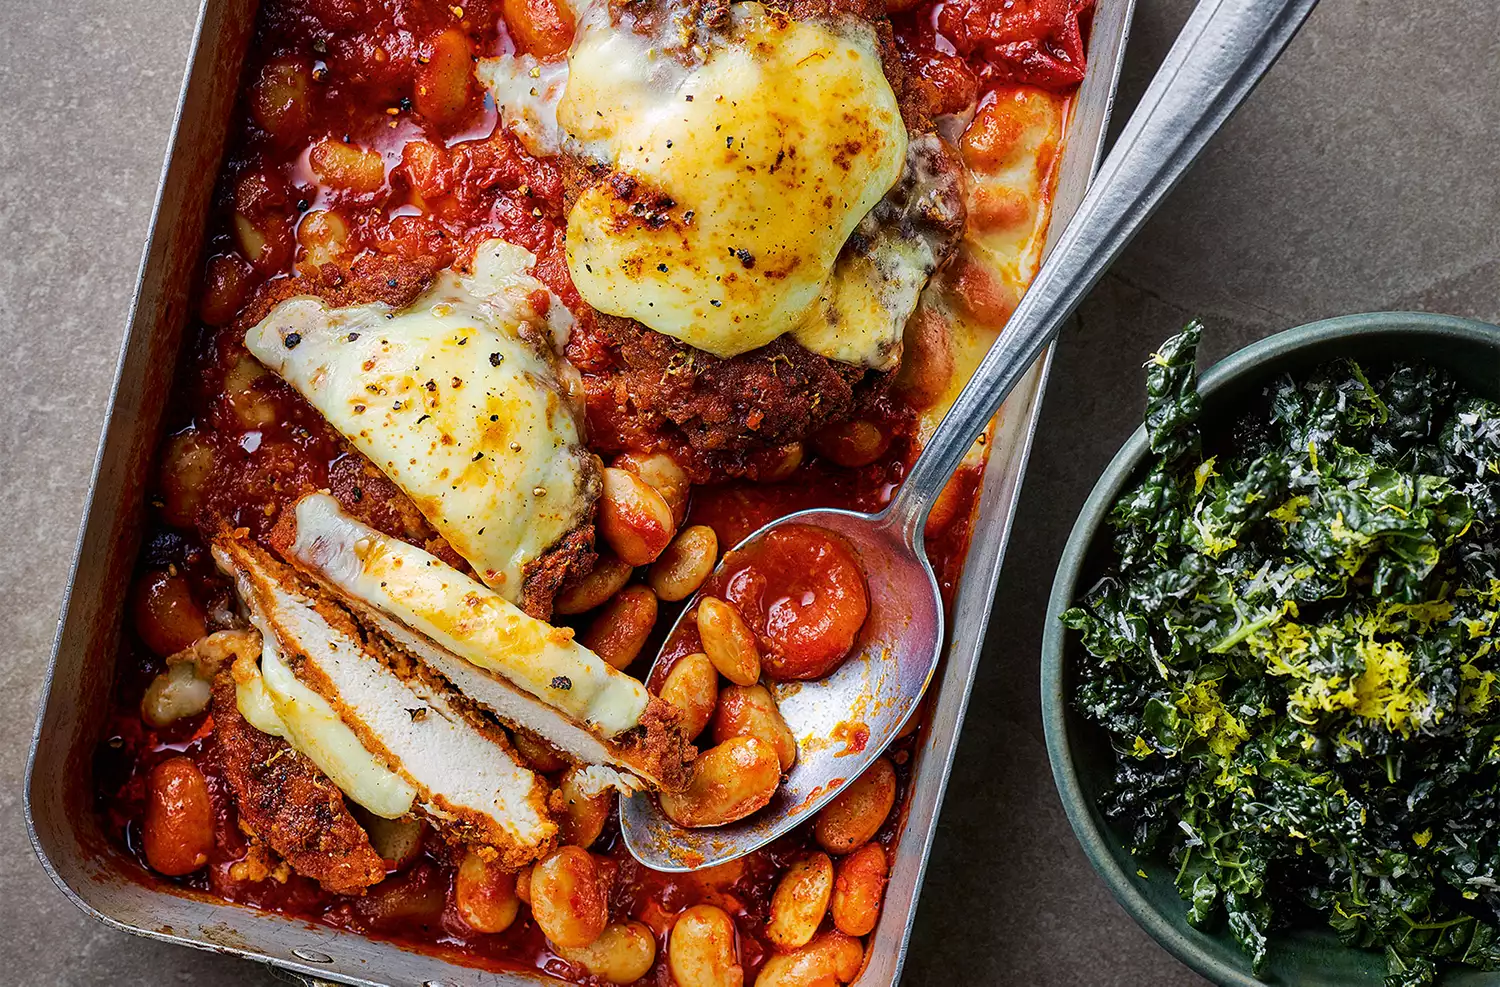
point(1293, 653)
point(1172, 401)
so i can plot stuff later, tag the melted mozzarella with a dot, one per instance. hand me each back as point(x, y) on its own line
point(1010, 183)
point(274, 702)
point(458, 399)
point(736, 180)
point(255, 703)
point(862, 311)
point(462, 616)
point(526, 92)
point(1010, 148)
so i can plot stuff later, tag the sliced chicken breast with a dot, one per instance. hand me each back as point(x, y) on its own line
point(465, 775)
point(289, 803)
point(531, 675)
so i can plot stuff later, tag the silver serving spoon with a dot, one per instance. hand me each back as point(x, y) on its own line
point(1224, 49)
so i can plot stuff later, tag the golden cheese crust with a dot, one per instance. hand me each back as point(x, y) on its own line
point(361, 488)
point(710, 17)
point(729, 416)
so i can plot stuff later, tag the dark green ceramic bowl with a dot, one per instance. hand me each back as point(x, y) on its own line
point(1082, 762)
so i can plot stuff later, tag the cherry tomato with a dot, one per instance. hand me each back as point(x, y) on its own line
point(802, 592)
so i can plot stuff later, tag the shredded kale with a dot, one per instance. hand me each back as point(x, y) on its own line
point(1293, 652)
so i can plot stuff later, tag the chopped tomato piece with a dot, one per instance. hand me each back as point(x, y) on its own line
point(802, 591)
point(1038, 42)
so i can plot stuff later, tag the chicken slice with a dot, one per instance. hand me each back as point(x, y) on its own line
point(531, 675)
point(466, 777)
point(290, 804)
point(275, 702)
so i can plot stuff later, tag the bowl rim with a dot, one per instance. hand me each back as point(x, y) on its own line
point(1229, 371)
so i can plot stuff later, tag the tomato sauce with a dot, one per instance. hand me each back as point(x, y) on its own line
point(361, 133)
point(971, 47)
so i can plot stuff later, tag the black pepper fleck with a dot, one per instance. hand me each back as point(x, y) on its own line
point(562, 681)
point(291, 339)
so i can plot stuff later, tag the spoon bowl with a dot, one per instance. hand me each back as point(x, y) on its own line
point(842, 721)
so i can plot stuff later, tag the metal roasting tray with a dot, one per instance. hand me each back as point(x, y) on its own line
point(60, 813)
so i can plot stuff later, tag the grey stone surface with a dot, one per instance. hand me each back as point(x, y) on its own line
point(1362, 176)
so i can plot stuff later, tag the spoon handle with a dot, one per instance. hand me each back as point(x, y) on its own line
point(1224, 49)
